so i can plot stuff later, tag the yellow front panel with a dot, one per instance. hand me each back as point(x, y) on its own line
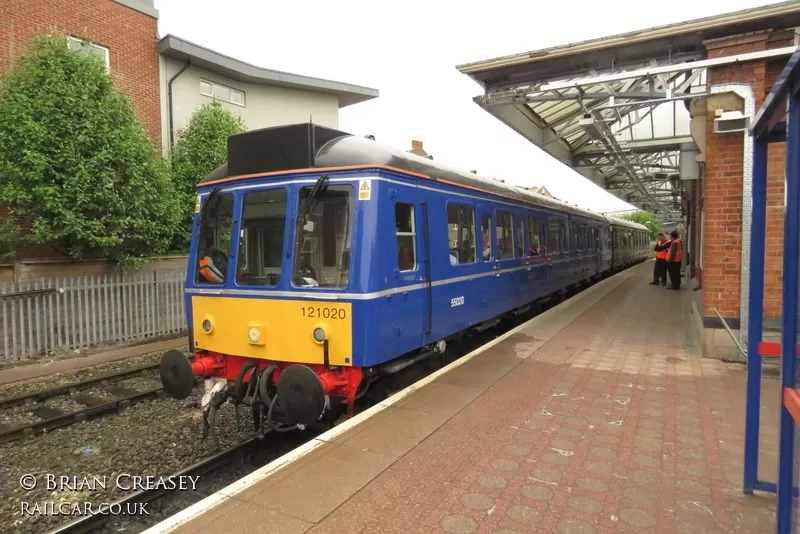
point(286, 328)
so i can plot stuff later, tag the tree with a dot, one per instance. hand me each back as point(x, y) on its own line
point(11, 238)
point(201, 147)
point(647, 219)
point(75, 160)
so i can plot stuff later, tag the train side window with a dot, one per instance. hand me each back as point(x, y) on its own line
point(486, 237)
point(505, 235)
point(262, 237)
point(543, 237)
point(405, 230)
point(553, 240)
point(214, 239)
point(520, 238)
point(533, 237)
point(563, 239)
point(461, 234)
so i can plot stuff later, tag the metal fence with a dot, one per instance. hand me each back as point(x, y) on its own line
point(80, 312)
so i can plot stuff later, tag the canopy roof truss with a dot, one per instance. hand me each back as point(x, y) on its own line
point(616, 109)
point(628, 131)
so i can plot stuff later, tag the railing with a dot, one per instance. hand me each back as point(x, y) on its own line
point(53, 315)
point(771, 126)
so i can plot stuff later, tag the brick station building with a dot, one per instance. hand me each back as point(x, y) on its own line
point(123, 32)
point(721, 201)
point(711, 68)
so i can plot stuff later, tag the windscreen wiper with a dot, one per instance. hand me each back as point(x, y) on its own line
point(312, 196)
point(302, 212)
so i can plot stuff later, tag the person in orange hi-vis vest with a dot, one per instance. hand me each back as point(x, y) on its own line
point(674, 259)
point(660, 268)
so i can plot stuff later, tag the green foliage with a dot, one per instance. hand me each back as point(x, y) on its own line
point(76, 160)
point(647, 219)
point(11, 239)
point(201, 147)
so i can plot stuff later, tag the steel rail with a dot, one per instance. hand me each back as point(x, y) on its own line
point(30, 429)
point(67, 389)
point(91, 523)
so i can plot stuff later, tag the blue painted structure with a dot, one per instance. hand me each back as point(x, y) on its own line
point(397, 312)
point(770, 126)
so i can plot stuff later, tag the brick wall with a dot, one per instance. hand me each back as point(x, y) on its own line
point(130, 36)
point(722, 205)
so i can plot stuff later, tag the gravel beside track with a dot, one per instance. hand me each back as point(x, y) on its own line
point(91, 396)
point(154, 438)
point(47, 382)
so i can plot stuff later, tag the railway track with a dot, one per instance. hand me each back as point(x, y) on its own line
point(89, 398)
point(93, 523)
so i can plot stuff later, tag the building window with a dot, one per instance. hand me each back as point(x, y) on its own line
point(222, 92)
point(79, 45)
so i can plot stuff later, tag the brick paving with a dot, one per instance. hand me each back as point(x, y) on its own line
point(590, 420)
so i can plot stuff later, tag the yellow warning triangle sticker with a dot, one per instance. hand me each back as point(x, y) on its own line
point(364, 186)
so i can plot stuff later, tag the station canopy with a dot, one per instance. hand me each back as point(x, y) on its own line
point(616, 109)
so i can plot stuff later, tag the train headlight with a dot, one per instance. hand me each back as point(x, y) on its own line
point(319, 335)
point(207, 326)
point(254, 335)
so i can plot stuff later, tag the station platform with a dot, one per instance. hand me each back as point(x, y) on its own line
point(594, 417)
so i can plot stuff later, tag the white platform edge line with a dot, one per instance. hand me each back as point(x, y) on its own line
point(192, 512)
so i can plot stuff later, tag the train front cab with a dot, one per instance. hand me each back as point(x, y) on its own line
point(264, 294)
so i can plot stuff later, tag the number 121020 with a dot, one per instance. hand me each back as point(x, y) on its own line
point(317, 312)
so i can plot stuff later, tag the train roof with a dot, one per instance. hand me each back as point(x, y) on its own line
point(308, 146)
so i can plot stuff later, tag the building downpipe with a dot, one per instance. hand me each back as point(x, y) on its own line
point(745, 91)
point(169, 101)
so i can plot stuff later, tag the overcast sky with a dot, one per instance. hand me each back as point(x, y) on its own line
point(409, 50)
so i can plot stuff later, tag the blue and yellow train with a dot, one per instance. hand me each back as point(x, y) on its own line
point(322, 261)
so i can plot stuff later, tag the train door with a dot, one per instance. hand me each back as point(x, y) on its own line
point(412, 269)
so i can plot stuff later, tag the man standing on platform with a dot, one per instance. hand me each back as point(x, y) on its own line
point(674, 259)
point(660, 268)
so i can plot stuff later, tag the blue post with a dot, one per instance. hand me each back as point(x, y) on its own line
point(755, 311)
point(789, 333)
